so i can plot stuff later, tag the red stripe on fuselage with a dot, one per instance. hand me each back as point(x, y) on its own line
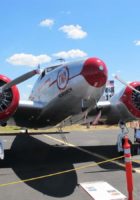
point(74, 76)
point(52, 83)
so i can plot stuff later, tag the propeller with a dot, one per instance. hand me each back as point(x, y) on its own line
point(19, 79)
point(126, 84)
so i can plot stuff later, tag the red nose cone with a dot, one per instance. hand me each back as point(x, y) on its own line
point(95, 72)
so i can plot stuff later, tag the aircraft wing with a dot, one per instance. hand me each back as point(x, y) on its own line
point(27, 110)
point(29, 105)
point(124, 106)
point(110, 114)
point(102, 110)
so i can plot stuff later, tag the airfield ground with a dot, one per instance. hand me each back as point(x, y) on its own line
point(15, 129)
point(43, 156)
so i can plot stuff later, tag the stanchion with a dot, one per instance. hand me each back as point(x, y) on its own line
point(128, 167)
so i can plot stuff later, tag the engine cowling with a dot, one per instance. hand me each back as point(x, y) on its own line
point(9, 99)
point(131, 99)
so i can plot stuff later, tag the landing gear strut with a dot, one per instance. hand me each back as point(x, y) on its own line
point(61, 133)
point(24, 130)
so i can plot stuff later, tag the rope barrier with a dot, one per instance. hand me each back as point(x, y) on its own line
point(61, 172)
point(136, 161)
point(65, 171)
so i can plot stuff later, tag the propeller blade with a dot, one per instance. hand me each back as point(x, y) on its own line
point(126, 84)
point(19, 79)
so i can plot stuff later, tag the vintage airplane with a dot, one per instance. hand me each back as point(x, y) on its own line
point(66, 91)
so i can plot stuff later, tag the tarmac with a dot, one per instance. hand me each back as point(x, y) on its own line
point(42, 167)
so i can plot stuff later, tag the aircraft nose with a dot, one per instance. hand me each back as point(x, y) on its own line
point(95, 72)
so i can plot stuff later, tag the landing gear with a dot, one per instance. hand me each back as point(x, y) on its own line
point(60, 130)
point(63, 137)
point(24, 130)
point(61, 133)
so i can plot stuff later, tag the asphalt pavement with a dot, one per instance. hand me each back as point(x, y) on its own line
point(43, 167)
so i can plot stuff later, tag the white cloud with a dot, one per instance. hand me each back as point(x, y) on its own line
point(73, 53)
point(28, 59)
point(73, 31)
point(137, 42)
point(47, 22)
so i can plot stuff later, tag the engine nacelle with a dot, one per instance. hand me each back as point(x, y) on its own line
point(126, 104)
point(9, 99)
point(131, 99)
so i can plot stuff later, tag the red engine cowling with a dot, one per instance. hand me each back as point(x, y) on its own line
point(131, 99)
point(9, 99)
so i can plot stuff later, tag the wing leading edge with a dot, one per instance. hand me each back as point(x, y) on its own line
point(26, 113)
point(124, 106)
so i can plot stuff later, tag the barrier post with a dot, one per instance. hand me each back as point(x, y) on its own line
point(128, 167)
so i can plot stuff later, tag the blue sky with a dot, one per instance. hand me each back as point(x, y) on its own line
point(40, 31)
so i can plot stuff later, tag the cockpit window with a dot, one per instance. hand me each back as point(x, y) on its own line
point(49, 69)
point(43, 74)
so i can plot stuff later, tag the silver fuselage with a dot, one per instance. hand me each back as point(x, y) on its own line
point(61, 93)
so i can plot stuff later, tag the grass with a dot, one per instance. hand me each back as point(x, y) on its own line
point(9, 129)
point(15, 129)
